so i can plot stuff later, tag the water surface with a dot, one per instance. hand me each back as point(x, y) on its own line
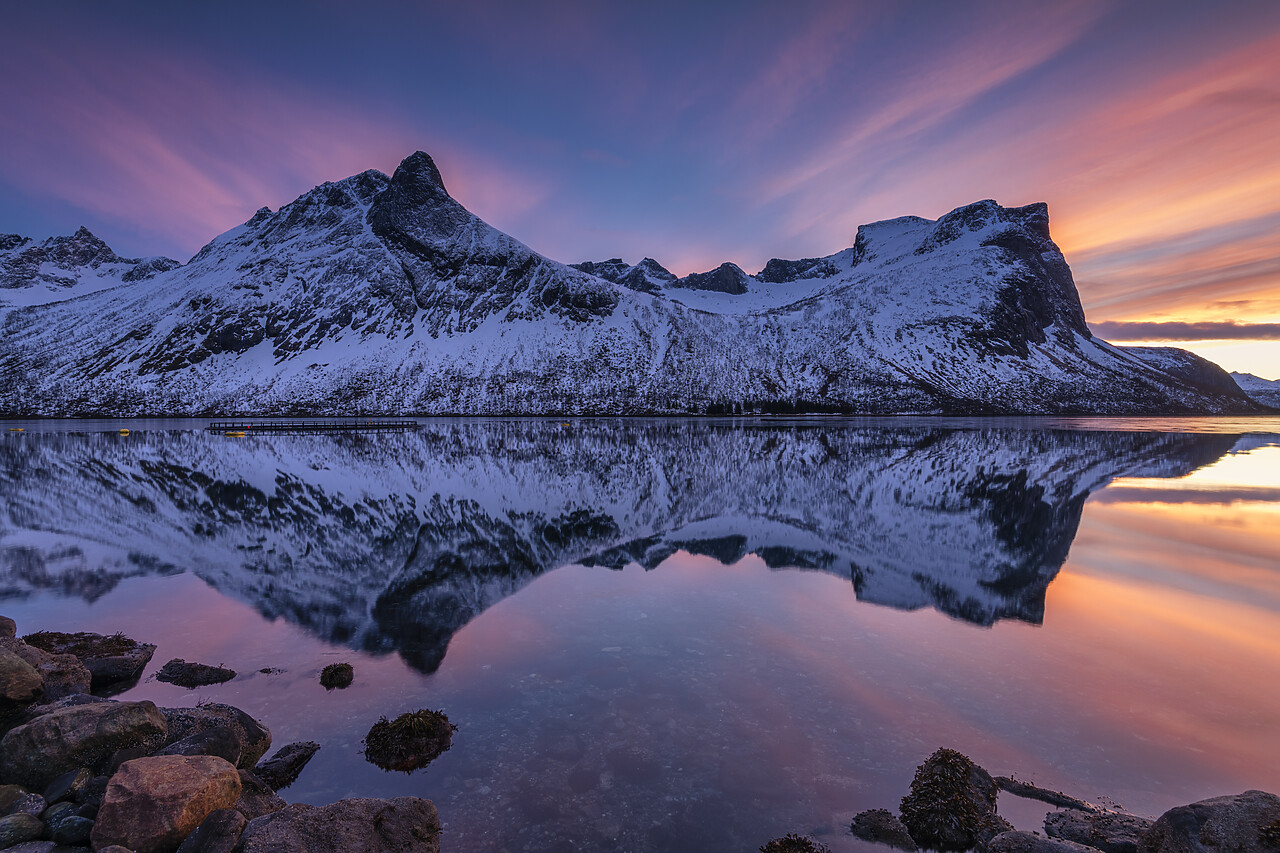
point(690, 634)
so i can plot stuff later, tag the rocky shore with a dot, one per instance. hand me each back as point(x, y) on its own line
point(82, 772)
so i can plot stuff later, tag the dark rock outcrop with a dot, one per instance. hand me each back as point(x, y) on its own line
point(217, 833)
point(950, 799)
point(1239, 823)
point(282, 769)
point(256, 797)
point(36, 753)
point(726, 278)
point(112, 661)
point(255, 738)
point(191, 674)
point(1111, 832)
point(778, 271)
point(882, 827)
point(222, 741)
point(404, 824)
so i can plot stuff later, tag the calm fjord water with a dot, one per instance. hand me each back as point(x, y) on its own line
point(690, 634)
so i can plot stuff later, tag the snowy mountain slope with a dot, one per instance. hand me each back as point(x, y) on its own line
point(1264, 391)
point(396, 541)
point(384, 295)
point(36, 273)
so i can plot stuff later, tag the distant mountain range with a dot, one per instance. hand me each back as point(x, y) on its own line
point(383, 295)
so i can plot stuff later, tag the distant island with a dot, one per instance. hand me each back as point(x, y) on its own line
point(383, 295)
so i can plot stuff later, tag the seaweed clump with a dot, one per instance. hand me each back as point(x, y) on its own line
point(950, 802)
point(337, 675)
point(792, 843)
point(409, 742)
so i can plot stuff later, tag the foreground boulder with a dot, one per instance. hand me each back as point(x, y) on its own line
point(255, 738)
point(152, 804)
point(112, 661)
point(256, 797)
point(36, 753)
point(883, 827)
point(1017, 841)
point(1241, 823)
point(403, 824)
point(951, 803)
point(17, 828)
point(20, 684)
point(222, 741)
point(62, 674)
point(1110, 832)
point(218, 833)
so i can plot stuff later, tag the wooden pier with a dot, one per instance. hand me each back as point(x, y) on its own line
point(239, 428)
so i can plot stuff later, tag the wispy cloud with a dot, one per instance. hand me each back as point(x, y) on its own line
point(1173, 331)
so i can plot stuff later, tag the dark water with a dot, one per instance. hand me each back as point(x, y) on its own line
point(690, 635)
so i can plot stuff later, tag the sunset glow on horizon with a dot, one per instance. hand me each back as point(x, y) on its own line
point(693, 134)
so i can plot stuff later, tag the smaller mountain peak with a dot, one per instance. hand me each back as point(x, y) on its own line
point(84, 233)
point(420, 170)
point(261, 214)
point(726, 278)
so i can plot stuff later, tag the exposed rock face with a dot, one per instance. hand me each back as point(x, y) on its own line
point(111, 661)
point(1241, 823)
point(36, 753)
point(778, 271)
point(62, 267)
point(726, 278)
point(648, 276)
point(949, 800)
point(1111, 832)
point(406, 824)
point(255, 738)
point(1185, 366)
point(1264, 391)
point(153, 803)
point(882, 827)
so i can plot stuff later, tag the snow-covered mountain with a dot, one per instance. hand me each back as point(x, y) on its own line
point(1264, 391)
point(36, 273)
point(384, 295)
point(393, 542)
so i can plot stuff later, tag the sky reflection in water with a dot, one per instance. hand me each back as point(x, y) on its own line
point(704, 705)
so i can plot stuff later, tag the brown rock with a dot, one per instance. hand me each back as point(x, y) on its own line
point(1111, 832)
point(1241, 823)
point(63, 675)
point(36, 753)
point(8, 628)
point(1031, 842)
point(256, 797)
point(403, 824)
point(152, 804)
point(218, 833)
point(110, 660)
point(20, 684)
point(255, 738)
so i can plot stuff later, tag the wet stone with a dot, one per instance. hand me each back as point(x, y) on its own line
point(68, 785)
point(185, 674)
point(17, 828)
point(883, 827)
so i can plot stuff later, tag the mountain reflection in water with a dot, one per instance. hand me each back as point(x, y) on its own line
point(394, 542)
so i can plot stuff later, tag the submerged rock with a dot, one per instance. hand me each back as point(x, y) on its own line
point(883, 827)
point(1111, 832)
point(336, 675)
point(1017, 841)
point(403, 824)
point(111, 660)
point(36, 753)
point(255, 738)
point(152, 804)
point(191, 674)
point(410, 741)
point(792, 843)
point(950, 797)
point(281, 770)
point(1241, 823)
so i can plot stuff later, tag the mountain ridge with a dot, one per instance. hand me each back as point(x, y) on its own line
point(384, 295)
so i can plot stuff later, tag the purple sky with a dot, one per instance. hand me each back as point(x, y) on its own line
point(691, 132)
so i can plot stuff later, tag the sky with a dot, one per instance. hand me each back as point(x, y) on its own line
point(693, 133)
